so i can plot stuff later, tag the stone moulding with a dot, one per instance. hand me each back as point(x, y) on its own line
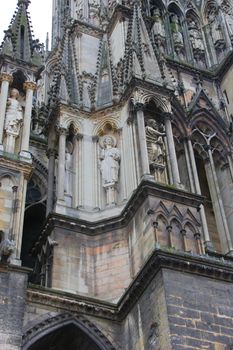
point(145, 189)
point(218, 268)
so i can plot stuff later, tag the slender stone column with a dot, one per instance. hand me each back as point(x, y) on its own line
point(171, 149)
point(208, 244)
point(51, 155)
point(29, 87)
point(188, 162)
point(6, 79)
point(217, 202)
point(61, 163)
point(142, 139)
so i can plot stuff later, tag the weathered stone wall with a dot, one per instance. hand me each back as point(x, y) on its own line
point(177, 311)
point(12, 308)
point(200, 311)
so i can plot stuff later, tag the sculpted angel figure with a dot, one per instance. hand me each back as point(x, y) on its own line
point(110, 161)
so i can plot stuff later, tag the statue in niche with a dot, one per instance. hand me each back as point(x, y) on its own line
point(68, 167)
point(110, 161)
point(158, 27)
point(14, 113)
point(176, 31)
point(156, 150)
point(195, 37)
point(215, 29)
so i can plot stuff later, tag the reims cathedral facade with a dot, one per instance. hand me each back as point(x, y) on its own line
point(116, 177)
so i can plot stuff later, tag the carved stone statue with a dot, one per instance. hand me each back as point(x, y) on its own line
point(155, 143)
point(14, 114)
point(158, 27)
point(216, 30)
point(68, 167)
point(195, 37)
point(176, 31)
point(110, 159)
point(156, 151)
point(7, 248)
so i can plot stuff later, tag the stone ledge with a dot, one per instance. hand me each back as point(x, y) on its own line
point(216, 268)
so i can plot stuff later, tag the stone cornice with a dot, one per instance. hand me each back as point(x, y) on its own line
point(17, 164)
point(145, 189)
point(217, 268)
point(217, 73)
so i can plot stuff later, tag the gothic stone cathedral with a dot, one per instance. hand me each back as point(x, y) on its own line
point(116, 177)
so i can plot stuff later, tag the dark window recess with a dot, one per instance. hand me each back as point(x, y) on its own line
point(22, 33)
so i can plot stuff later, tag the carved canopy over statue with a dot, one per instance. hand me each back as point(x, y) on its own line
point(110, 161)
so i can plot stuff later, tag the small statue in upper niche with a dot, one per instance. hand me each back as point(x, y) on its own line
point(158, 27)
point(156, 151)
point(14, 114)
point(110, 161)
point(68, 167)
point(195, 37)
point(155, 143)
point(215, 29)
point(176, 31)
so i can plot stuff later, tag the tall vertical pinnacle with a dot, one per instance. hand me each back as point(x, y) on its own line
point(18, 41)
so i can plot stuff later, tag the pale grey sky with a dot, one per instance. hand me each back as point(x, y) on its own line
point(41, 16)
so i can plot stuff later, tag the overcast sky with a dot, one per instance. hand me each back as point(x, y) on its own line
point(41, 15)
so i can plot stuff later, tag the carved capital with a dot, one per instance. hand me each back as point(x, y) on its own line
point(51, 152)
point(30, 85)
point(79, 136)
point(6, 77)
point(62, 130)
point(139, 99)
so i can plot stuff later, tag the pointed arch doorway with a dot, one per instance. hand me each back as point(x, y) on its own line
point(69, 337)
point(65, 333)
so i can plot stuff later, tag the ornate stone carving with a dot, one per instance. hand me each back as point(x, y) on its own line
point(110, 164)
point(68, 167)
point(30, 85)
point(7, 248)
point(110, 158)
point(139, 99)
point(156, 150)
point(158, 29)
point(14, 114)
point(216, 30)
point(6, 77)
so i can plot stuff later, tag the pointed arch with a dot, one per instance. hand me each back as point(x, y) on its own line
point(51, 324)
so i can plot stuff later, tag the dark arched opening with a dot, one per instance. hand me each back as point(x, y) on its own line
point(69, 337)
point(35, 214)
point(18, 81)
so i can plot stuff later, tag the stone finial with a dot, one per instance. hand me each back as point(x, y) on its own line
point(24, 2)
